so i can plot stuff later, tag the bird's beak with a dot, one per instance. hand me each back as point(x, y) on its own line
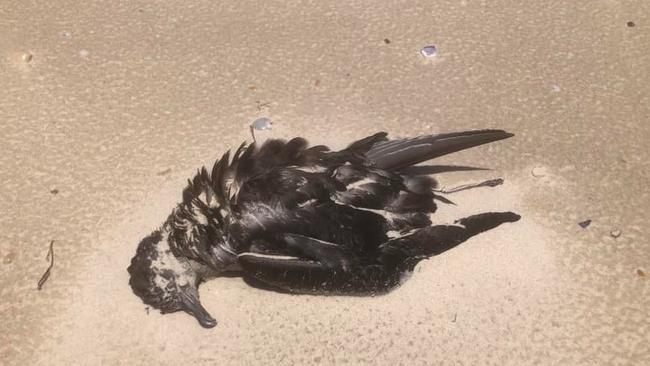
point(192, 305)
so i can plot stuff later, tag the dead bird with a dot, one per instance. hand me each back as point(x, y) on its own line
point(306, 219)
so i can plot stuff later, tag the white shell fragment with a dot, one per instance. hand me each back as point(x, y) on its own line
point(430, 51)
point(262, 124)
point(27, 57)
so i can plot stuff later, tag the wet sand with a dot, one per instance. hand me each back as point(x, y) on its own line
point(106, 109)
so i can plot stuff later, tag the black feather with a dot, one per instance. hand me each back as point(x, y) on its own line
point(399, 154)
point(219, 177)
point(367, 143)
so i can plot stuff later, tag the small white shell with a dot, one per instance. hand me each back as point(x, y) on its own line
point(262, 124)
point(430, 51)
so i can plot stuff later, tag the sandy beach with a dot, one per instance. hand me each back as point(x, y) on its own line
point(107, 108)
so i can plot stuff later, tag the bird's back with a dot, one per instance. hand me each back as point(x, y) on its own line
point(338, 197)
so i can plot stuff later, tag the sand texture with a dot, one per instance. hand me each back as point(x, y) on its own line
point(106, 108)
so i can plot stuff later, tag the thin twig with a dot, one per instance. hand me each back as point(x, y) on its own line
point(487, 183)
point(49, 257)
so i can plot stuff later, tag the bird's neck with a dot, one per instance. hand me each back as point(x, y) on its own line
point(195, 240)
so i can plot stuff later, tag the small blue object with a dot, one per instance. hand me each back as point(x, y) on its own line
point(260, 124)
point(430, 51)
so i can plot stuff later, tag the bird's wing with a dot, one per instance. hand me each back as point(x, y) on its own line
point(398, 154)
point(334, 196)
point(317, 266)
point(351, 196)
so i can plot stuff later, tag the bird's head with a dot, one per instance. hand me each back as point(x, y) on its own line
point(165, 281)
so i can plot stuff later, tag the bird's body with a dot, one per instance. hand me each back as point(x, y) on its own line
point(305, 219)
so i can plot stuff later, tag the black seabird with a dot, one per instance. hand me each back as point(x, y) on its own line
point(306, 220)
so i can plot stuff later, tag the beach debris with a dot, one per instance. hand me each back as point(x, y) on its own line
point(430, 51)
point(455, 318)
point(538, 172)
point(260, 124)
point(386, 40)
point(585, 224)
point(263, 123)
point(49, 257)
point(146, 308)
point(487, 183)
point(84, 53)
point(556, 88)
point(164, 172)
point(640, 273)
point(615, 233)
point(27, 57)
point(65, 34)
point(54, 191)
point(630, 24)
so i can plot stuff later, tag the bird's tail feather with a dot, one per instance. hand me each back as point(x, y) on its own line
point(399, 154)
